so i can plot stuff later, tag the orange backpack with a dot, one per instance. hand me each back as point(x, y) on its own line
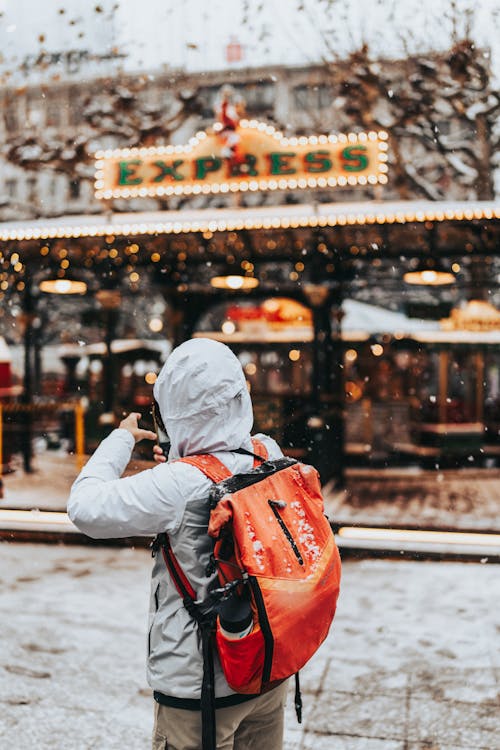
point(274, 544)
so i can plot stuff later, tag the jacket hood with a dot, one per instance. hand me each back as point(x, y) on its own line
point(203, 399)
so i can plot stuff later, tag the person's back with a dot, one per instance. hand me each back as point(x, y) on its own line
point(204, 403)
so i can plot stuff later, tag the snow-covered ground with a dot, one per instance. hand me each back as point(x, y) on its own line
point(412, 661)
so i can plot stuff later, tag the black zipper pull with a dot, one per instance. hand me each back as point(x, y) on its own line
point(276, 505)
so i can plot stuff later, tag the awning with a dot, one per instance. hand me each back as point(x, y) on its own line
point(237, 219)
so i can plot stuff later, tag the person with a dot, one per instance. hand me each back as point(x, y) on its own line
point(205, 406)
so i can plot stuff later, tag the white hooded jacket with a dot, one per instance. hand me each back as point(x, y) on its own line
point(205, 405)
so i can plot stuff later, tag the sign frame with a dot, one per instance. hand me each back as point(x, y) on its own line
point(270, 161)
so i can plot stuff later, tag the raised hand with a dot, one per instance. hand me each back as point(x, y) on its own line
point(130, 423)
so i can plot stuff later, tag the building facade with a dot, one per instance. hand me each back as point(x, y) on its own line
point(437, 109)
point(308, 248)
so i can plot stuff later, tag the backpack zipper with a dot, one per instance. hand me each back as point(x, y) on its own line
point(275, 505)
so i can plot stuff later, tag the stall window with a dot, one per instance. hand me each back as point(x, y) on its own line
point(492, 397)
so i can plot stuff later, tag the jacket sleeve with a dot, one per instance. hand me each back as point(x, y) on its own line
point(104, 506)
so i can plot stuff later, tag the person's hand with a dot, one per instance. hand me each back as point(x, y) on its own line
point(130, 423)
point(158, 455)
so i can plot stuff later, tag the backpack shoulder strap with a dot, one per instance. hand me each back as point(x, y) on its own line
point(209, 465)
point(216, 470)
point(260, 451)
point(181, 583)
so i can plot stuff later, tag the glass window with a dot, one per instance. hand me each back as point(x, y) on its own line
point(11, 187)
point(312, 97)
point(208, 96)
point(31, 189)
point(259, 97)
point(462, 389)
point(35, 111)
point(75, 106)
point(54, 112)
point(492, 397)
point(74, 189)
point(11, 116)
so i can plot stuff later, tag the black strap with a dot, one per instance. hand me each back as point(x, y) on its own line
point(205, 618)
point(298, 698)
point(244, 452)
point(208, 727)
point(194, 704)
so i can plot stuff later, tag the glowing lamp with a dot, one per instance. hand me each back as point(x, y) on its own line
point(427, 275)
point(234, 282)
point(63, 286)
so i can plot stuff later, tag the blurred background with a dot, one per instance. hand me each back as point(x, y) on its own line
point(314, 183)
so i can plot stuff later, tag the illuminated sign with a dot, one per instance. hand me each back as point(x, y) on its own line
point(263, 160)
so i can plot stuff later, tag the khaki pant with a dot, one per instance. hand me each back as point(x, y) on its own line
point(253, 725)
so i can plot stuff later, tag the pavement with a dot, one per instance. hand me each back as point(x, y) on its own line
point(47, 487)
point(411, 662)
point(464, 499)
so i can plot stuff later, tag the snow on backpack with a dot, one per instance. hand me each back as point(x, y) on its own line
point(274, 549)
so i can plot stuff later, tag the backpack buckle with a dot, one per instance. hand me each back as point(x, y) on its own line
point(156, 545)
point(211, 566)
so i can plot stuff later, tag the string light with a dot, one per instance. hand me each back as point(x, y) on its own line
point(283, 219)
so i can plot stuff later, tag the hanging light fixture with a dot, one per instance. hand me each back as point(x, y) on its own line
point(429, 272)
point(63, 286)
point(234, 282)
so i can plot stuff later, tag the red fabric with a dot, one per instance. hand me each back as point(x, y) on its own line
point(209, 465)
point(5, 375)
point(260, 449)
point(215, 469)
point(171, 560)
point(227, 121)
point(241, 660)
